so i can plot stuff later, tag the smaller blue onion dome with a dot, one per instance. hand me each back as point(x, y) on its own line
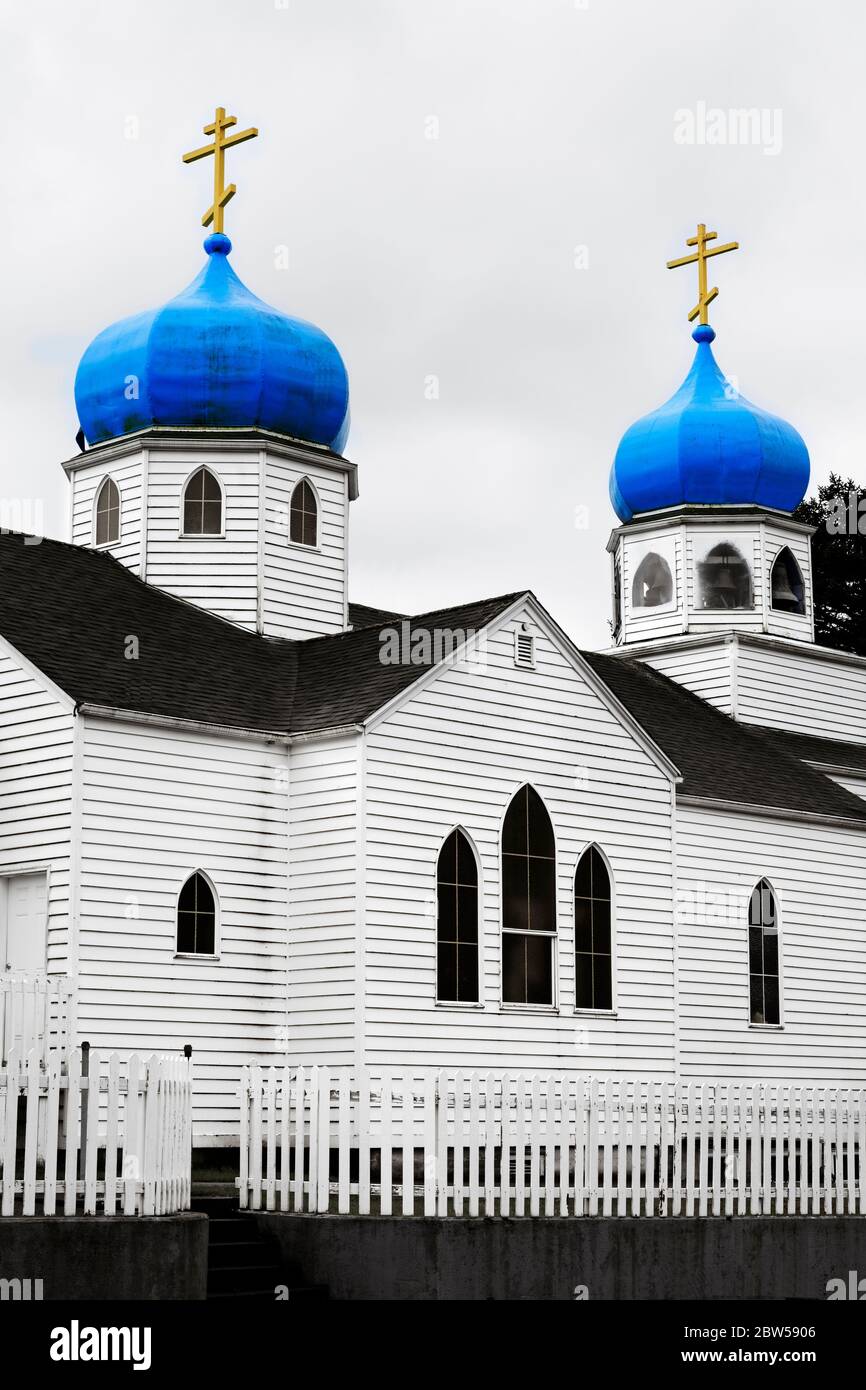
point(215, 357)
point(708, 446)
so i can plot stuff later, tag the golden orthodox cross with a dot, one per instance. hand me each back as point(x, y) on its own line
point(221, 143)
point(701, 255)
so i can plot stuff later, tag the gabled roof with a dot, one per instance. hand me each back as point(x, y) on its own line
point(72, 612)
point(720, 759)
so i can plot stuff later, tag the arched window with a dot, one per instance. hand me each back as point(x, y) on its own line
point(202, 505)
point(108, 513)
point(528, 901)
point(786, 584)
point(763, 955)
point(593, 972)
point(304, 515)
point(653, 584)
point(724, 579)
point(196, 917)
point(457, 921)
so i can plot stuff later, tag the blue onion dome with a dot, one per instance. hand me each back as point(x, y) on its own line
point(708, 446)
point(215, 357)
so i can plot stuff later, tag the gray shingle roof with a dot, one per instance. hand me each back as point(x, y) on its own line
point(71, 611)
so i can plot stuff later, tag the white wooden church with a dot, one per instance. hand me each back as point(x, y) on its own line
point(242, 812)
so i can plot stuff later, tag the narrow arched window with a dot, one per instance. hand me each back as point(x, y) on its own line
point(108, 513)
point(202, 505)
point(764, 1006)
point(724, 579)
point(528, 901)
point(196, 917)
point(653, 583)
point(593, 973)
point(457, 921)
point(304, 515)
point(788, 592)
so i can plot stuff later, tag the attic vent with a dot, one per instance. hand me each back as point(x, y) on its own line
point(524, 647)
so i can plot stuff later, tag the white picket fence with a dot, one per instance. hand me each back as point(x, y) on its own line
point(469, 1144)
point(34, 1014)
point(95, 1134)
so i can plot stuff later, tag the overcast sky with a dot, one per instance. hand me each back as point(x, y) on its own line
point(518, 257)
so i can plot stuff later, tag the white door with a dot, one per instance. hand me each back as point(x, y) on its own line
point(26, 923)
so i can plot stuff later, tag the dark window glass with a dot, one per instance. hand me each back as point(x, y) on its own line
point(528, 901)
point(593, 975)
point(202, 505)
point(724, 579)
point(108, 514)
point(653, 584)
point(304, 519)
point(457, 921)
point(196, 917)
point(786, 584)
point(764, 1006)
point(527, 968)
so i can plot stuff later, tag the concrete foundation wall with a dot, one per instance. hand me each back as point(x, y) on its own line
point(106, 1257)
point(404, 1258)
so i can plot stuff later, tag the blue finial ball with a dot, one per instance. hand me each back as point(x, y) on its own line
point(704, 333)
point(217, 244)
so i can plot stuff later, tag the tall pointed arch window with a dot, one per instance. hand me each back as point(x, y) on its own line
point(764, 1000)
point(593, 959)
point(196, 917)
point(203, 505)
point(107, 515)
point(787, 590)
point(528, 901)
point(457, 921)
point(304, 515)
point(724, 579)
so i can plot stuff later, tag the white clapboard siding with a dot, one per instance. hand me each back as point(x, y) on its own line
point(86, 481)
point(157, 805)
point(706, 669)
point(219, 573)
point(36, 741)
point(455, 753)
point(809, 690)
point(817, 878)
point(305, 587)
point(490, 1144)
point(323, 910)
point(96, 1134)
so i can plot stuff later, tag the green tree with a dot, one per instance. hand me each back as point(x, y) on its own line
point(838, 569)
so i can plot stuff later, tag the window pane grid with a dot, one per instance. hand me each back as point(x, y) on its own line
point(528, 901)
point(303, 522)
point(593, 961)
point(196, 918)
point(202, 505)
point(457, 922)
point(764, 994)
point(108, 513)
